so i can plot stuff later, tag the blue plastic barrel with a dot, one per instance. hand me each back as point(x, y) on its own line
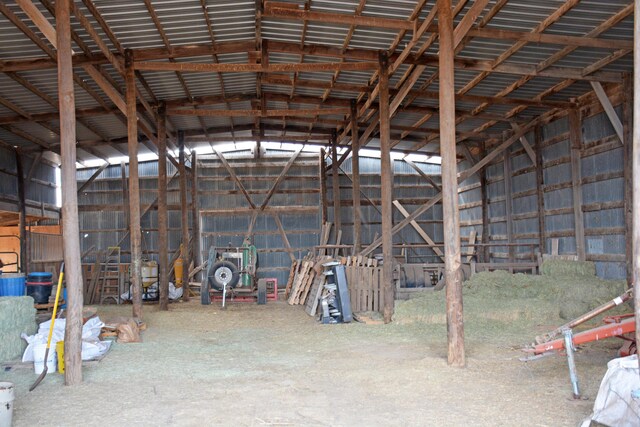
point(12, 284)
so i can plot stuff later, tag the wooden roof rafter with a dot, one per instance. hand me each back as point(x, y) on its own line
point(409, 43)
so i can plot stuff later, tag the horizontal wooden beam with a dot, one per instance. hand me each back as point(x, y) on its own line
point(285, 11)
point(254, 68)
point(259, 113)
point(358, 54)
point(532, 37)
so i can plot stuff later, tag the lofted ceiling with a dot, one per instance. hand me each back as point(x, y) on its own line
point(297, 71)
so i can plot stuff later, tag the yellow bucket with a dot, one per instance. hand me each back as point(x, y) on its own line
point(60, 351)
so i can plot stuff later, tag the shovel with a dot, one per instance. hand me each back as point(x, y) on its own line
point(53, 320)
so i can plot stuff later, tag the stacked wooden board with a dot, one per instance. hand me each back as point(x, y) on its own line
point(306, 282)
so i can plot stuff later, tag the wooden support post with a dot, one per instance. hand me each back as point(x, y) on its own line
point(387, 190)
point(355, 171)
point(22, 226)
point(125, 193)
point(451, 222)
point(542, 233)
point(322, 177)
point(195, 209)
point(184, 223)
point(636, 170)
point(335, 179)
point(163, 241)
point(627, 119)
point(69, 210)
point(508, 202)
point(484, 194)
point(575, 136)
point(135, 234)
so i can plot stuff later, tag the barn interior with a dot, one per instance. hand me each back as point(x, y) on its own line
point(316, 212)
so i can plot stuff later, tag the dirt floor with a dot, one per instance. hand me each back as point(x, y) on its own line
point(254, 365)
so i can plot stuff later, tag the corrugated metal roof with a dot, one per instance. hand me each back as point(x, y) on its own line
point(184, 23)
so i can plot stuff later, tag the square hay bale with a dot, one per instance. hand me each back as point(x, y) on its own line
point(17, 315)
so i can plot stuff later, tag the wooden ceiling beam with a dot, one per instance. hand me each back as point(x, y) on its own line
point(255, 68)
point(285, 11)
point(258, 113)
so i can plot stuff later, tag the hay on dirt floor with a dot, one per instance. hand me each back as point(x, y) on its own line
point(563, 292)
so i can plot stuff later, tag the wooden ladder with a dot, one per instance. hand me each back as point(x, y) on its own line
point(111, 285)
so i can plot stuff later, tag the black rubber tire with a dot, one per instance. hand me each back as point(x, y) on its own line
point(205, 297)
point(225, 267)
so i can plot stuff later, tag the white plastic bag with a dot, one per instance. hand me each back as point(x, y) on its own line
point(92, 347)
point(614, 405)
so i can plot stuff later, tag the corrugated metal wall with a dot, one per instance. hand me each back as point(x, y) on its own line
point(601, 158)
point(602, 170)
point(40, 190)
point(409, 188)
point(225, 216)
point(103, 221)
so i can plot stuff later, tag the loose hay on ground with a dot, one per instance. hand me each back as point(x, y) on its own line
point(564, 291)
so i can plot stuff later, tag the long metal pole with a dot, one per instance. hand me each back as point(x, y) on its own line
point(451, 220)
point(70, 223)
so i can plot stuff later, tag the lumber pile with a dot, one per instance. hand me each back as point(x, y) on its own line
point(306, 282)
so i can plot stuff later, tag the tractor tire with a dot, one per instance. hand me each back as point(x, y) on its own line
point(221, 272)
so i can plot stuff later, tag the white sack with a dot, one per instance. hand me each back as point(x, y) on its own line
point(614, 405)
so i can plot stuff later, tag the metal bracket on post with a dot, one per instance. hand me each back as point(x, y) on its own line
point(573, 375)
point(224, 294)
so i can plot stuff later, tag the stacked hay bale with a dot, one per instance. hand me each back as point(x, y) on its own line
point(17, 315)
point(564, 290)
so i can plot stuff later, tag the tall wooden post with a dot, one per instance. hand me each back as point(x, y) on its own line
point(184, 210)
point(22, 226)
point(70, 224)
point(322, 176)
point(163, 241)
point(627, 122)
point(125, 193)
point(508, 202)
point(195, 210)
point(575, 136)
point(335, 179)
point(451, 223)
point(355, 172)
point(636, 168)
point(484, 194)
point(386, 191)
point(542, 234)
point(135, 234)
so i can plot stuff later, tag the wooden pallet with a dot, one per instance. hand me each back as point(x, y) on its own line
point(365, 281)
point(48, 306)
